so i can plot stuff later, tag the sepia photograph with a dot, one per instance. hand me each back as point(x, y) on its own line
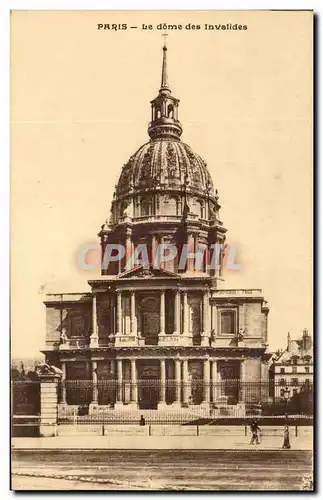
point(162, 334)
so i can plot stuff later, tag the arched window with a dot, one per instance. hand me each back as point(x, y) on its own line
point(158, 112)
point(170, 111)
point(146, 207)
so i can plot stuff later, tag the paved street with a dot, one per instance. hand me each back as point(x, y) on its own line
point(160, 469)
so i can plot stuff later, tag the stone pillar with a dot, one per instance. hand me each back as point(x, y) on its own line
point(134, 387)
point(205, 320)
point(48, 377)
point(154, 246)
point(177, 382)
point(94, 342)
point(186, 383)
point(128, 254)
point(177, 311)
point(95, 383)
point(63, 383)
point(242, 381)
point(185, 314)
point(214, 318)
point(206, 381)
point(162, 395)
point(119, 314)
point(133, 320)
point(191, 250)
point(162, 313)
point(119, 401)
point(215, 391)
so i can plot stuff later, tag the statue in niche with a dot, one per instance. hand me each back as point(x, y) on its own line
point(63, 339)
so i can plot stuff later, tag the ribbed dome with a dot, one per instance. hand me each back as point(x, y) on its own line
point(167, 163)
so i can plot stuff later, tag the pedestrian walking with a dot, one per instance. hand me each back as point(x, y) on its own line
point(142, 420)
point(286, 443)
point(254, 433)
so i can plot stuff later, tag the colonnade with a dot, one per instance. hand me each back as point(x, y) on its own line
point(181, 381)
point(181, 314)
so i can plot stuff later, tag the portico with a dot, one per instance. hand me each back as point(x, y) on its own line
point(157, 383)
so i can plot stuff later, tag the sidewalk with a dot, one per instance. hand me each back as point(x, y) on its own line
point(159, 443)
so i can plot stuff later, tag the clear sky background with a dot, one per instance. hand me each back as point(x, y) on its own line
point(80, 106)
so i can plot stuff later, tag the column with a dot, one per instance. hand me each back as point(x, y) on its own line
point(191, 250)
point(162, 395)
point(113, 372)
point(162, 313)
point(215, 391)
point(206, 381)
point(63, 382)
point(177, 382)
point(242, 380)
point(94, 342)
point(185, 314)
point(133, 320)
point(153, 249)
point(214, 318)
point(119, 314)
point(205, 336)
point(94, 382)
point(206, 329)
point(161, 262)
point(134, 387)
point(177, 310)
point(186, 384)
point(119, 383)
point(128, 254)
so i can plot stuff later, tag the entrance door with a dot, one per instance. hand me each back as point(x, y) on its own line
point(230, 382)
point(148, 384)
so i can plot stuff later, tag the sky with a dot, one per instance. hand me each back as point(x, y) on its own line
point(80, 107)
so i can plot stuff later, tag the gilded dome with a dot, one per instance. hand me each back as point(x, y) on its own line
point(168, 164)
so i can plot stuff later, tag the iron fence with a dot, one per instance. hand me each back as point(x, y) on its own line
point(111, 401)
point(229, 398)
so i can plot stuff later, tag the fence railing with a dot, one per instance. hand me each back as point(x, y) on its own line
point(266, 398)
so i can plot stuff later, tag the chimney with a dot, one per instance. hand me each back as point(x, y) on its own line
point(307, 341)
point(288, 342)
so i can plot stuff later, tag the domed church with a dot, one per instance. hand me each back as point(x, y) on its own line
point(156, 331)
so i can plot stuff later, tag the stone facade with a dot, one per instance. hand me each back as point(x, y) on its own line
point(166, 335)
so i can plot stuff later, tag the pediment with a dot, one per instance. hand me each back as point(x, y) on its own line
point(151, 272)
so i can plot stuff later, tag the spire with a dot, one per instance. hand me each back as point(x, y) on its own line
point(164, 109)
point(164, 79)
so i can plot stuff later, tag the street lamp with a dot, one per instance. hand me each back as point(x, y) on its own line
point(286, 397)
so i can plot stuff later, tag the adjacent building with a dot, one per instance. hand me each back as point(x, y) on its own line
point(293, 369)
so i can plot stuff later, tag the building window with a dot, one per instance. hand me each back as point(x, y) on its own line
point(307, 369)
point(282, 393)
point(228, 322)
point(295, 361)
point(282, 370)
point(282, 381)
point(295, 392)
point(294, 381)
point(307, 381)
point(294, 369)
